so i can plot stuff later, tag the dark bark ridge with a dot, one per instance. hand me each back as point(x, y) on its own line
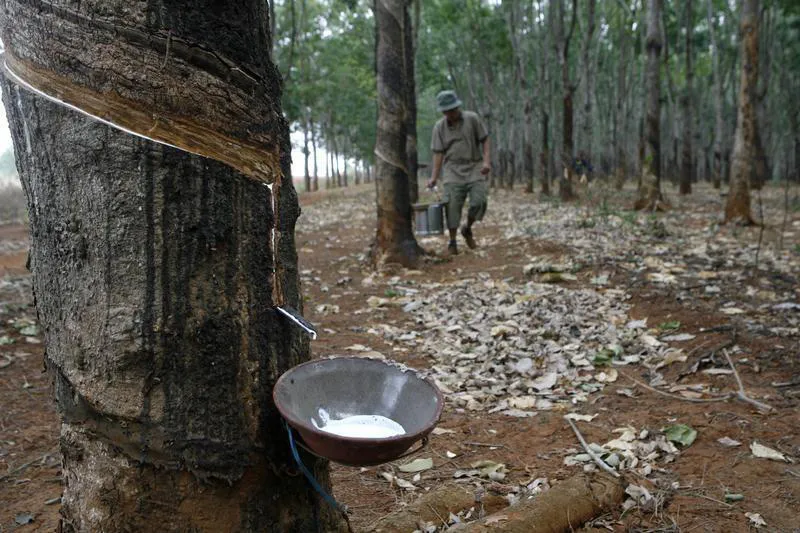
point(154, 74)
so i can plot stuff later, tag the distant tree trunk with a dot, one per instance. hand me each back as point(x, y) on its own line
point(688, 112)
point(394, 241)
point(620, 120)
point(650, 192)
point(737, 209)
point(329, 170)
point(568, 92)
point(152, 266)
point(315, 183)
point(719, 124)
point(588, 75)
point(306, 153)
point(544, 156)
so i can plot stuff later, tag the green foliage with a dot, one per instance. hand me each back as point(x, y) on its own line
point(469, 46)
point(670, 325)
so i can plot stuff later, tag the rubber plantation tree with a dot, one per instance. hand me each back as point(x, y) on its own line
point(650, 197)
point(394, 242)
point(562, 42)
point(687, 101)
point(155, 275)
point(737, 208)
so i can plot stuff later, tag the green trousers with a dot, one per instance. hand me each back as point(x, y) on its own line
point(455, 194)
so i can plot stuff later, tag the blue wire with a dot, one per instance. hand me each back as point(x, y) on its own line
point(310, 477)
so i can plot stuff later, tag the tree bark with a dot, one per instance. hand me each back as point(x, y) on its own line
point(152, 269)
point(687, 169)
point(620, 119)
point(719, 124)
point(394, 240)
point(568, 91)
point(306, 154)
point(588, 76)
point(737, 208)
point(544, 156)
point(315, 181)
point(650, 192)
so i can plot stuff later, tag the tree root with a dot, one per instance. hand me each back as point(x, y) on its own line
point(436, 506)
point(565, 507)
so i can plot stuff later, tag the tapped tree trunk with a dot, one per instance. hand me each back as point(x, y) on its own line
point(687, 169)
point(394, 240)
point(650, 191)
point(153, 268)
point(737, 208)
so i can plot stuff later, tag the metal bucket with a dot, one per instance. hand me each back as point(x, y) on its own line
point(349, 386)
point(429, 219)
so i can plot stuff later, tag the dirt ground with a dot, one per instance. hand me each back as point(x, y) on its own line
point(689, 494)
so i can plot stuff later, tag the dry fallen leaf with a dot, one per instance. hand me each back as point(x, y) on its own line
point(417, 465)
point(494, 519)
point(763, 452)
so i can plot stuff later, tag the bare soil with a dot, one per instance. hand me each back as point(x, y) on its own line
point(531, 447)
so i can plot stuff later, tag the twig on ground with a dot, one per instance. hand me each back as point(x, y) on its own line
point(485, 444)
point(742, 394)
point(781, 384)
point(675, 396)
point(709, 498)
point(599, 462)
point(792, 473)
point(432, 508)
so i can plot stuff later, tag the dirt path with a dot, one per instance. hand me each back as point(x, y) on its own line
point(354, 308)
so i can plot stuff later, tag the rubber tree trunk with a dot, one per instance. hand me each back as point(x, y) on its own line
point(719, 121)
point(568, 93)
point(687, 169)
point(588, 74)
point(152, 271)
point(737, 208)
point(306, 155)
point(650, 191)
point(394, 242)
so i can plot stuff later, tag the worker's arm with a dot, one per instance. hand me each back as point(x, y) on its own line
point(487, 157)
point(437, 168)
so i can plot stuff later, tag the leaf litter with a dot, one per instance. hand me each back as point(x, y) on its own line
point(521, 347)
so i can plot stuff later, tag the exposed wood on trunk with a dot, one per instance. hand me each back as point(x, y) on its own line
point(394, 242)
point(737, 208)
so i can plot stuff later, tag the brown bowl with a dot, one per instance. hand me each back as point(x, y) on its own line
point(348, 386)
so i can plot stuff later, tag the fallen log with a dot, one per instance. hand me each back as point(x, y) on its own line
point(436, 506)
point(564, 507)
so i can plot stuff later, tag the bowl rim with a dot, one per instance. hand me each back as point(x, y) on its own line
point(302, 425)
